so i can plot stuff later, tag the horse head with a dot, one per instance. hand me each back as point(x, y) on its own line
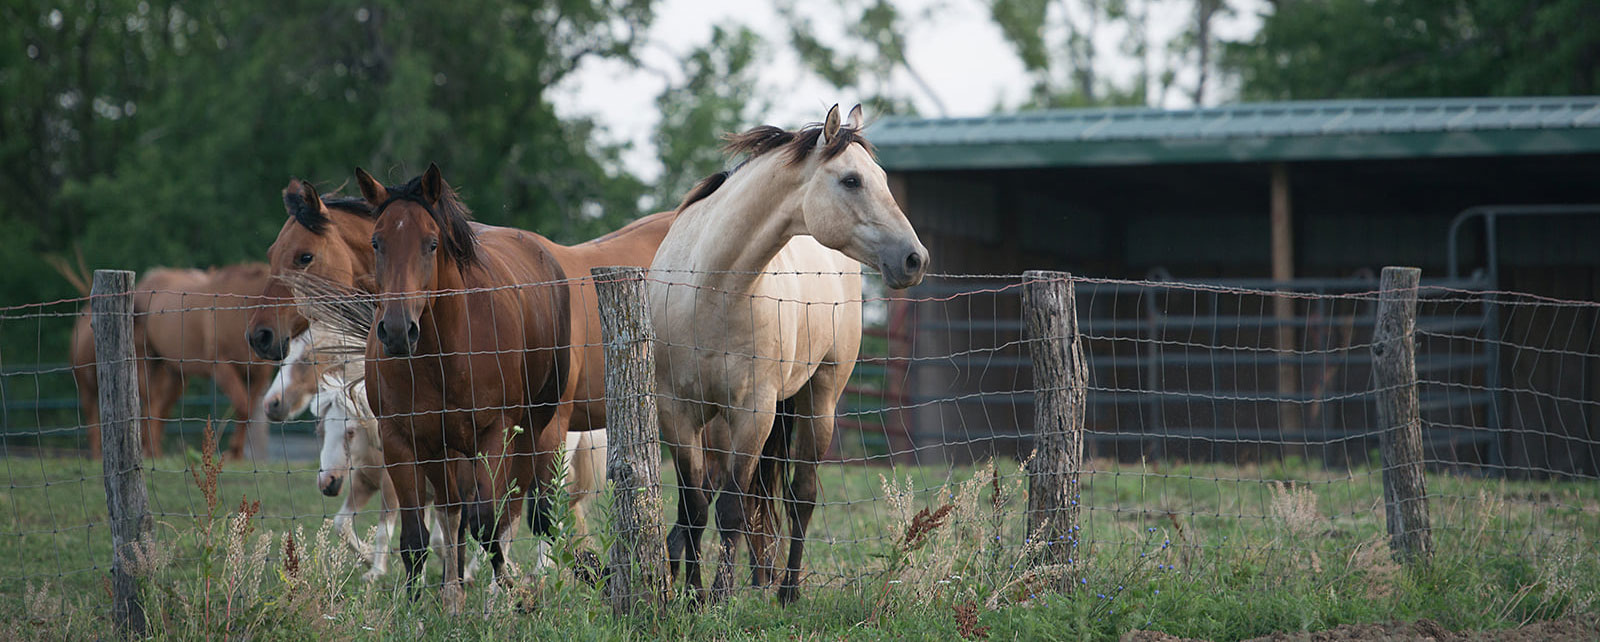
point(325, 237)
point(414, 222)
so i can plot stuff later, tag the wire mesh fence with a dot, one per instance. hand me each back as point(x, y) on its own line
point(1224, 426)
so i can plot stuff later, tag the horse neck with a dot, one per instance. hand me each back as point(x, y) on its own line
point(355, 232)
point(743, 225)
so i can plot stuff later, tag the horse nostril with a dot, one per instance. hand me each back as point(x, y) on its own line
point(413, 332)
point(914, 262)
point(262, 338)
point(383, 332)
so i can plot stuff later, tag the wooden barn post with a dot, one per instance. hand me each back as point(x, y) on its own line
point(1405, 494)
point(636, 579)
point(111, 317)
point(1060, 380)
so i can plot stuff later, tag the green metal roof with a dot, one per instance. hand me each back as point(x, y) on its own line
point(1286, 131)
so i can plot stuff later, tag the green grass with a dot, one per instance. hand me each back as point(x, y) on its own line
point(1208, 551)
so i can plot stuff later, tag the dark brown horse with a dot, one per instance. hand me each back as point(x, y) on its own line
point(471, 341)
point(187, 323)
point(326, 236)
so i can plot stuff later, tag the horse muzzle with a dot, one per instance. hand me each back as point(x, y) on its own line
point(267, 345)
point(277, 410)
point(329, 484)
point(396, 343)
point(904, 268)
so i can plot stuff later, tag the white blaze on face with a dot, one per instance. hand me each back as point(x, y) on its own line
point(335, 426)
point(286, 372)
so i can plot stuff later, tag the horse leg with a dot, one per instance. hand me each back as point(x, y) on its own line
point(814, 407)
point(166, 386)
point(761, 503)
point(386, 523)
point(448, 498)
point(233, 386)
point(407, 478)
point(748, 431)
point(683, 541)
point(360, 493)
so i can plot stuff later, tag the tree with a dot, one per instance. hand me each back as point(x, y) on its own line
point(719, 94)
point(1062, 46)
point(160, 131)
point(873, 47)
point(1310, 49)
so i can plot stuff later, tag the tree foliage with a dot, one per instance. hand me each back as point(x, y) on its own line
point(160, 131)
point(720, 93)
point(1310, 49)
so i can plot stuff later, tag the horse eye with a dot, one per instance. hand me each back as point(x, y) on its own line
point(433, 244)
point(304, 259)
point(850, 182)
point(375, 243)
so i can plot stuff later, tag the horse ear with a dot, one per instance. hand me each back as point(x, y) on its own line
point(855, 121)
point(371, 189)
point(305, 194)
point(830, 126)
point(432, 184)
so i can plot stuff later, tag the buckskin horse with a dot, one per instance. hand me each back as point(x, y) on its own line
point(755, 297)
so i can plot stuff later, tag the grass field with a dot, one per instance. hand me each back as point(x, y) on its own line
point(1218, 552)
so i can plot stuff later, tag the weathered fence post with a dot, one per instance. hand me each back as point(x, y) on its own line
point(1405, 494)
point(111, 310)
point(636, 578)
point(1060, 381)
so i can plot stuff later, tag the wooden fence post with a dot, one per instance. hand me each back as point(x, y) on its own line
point(636, 571)
point(1405, 494)
point(1060, 381)
point(111, 310)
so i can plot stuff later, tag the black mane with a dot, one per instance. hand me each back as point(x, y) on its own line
point(759, 141)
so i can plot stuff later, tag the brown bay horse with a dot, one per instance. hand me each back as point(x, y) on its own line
point(471, 342)
point(187, 323)
point(330, 237)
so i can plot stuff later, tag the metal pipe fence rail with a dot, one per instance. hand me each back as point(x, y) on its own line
point(1002, 437)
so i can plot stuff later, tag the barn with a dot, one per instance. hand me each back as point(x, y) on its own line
point(1306, 198)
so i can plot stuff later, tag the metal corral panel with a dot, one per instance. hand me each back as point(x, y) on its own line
point(1309, 130)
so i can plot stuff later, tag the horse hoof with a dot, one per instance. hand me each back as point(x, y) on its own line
point(787, 595)
point(371, 576)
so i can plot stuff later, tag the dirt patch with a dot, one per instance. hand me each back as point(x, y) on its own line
point(1568, 629)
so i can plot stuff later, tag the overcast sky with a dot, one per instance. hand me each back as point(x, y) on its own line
point(952, 43)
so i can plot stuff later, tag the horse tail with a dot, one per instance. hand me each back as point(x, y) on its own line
point(765, 516)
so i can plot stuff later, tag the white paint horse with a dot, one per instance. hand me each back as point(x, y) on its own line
point(755, 296)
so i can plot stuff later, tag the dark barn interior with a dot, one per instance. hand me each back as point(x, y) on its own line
point(1310, 198)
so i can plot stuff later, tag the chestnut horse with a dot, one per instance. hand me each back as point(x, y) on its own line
point(755, 297)
point(188, 323)
point(465, 365)
point(326, 236)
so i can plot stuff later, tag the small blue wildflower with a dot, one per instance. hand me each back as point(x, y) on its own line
point(1158, 591)
point(1085, 581)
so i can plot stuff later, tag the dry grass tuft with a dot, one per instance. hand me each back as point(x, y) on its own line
point(966, 615)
